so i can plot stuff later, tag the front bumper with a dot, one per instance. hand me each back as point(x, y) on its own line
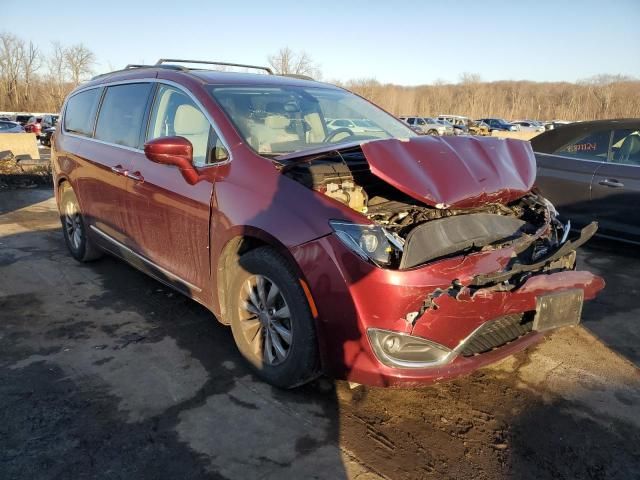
point(352, 296)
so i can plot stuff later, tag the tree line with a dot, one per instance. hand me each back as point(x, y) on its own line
point(604, 96)
point(32, 80)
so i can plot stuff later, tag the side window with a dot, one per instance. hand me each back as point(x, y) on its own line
point(81, 111)
point(175, 114)
point(625, 147)
point(421, 121)
point(121, 114)
point(411, 121)
point(592, 146)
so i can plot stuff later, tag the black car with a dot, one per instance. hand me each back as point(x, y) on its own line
point(45, 136)
point(591, 171)
point(498, 124)
point(23, 118)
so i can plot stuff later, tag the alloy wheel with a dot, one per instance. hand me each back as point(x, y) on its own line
point(73, 225)
point(265, 320)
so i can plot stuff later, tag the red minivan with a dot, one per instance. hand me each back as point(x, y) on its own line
point(384, 258)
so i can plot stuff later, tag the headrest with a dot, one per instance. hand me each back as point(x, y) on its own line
point(276, 122)
point(189, 121)
point(632, 144)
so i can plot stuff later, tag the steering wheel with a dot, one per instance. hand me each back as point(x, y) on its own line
point(335, 132)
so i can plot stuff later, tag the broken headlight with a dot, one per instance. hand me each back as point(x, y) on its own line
point(370, 242)
point(396, 349)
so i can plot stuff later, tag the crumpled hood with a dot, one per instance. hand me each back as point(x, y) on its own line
point(460, 172)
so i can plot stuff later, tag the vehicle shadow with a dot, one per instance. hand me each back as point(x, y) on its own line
point(16, 199)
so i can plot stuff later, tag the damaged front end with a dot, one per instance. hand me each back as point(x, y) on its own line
point(461, 244)
point(431, 198)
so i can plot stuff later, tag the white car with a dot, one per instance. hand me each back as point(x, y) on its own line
point(529, 125)
point(355, 125)
point(427, 126)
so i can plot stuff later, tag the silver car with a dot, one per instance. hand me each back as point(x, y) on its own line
point(10, 127)
point(427, 126)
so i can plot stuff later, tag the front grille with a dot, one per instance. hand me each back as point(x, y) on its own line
point(496, 333)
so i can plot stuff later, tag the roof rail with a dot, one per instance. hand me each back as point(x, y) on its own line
point(299, 76)
point(169, 67)
point(132, 66)
point(162, 61)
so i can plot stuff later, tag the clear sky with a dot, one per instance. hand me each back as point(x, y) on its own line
point(408, 43)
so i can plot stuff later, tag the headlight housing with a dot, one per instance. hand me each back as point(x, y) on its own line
point(400, 350)
point(370, 242)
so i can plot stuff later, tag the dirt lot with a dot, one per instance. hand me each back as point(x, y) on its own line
point(106, 374)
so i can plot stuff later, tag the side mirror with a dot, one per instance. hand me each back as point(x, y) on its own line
point(176, 151)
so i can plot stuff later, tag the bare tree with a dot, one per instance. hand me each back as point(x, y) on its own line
point(31, 63)
point(288, 62)
point(57, 75)
point(11, 57)
point(79, 60)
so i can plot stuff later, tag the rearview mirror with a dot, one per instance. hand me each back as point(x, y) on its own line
point(176, 151)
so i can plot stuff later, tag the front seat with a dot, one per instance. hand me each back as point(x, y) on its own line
point(191, 124)
point(630, 150)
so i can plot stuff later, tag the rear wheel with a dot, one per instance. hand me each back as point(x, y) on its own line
point(74, 227)
point(271, 320)
point(432, 132)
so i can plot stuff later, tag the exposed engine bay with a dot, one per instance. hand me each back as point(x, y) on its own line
point(412, 233)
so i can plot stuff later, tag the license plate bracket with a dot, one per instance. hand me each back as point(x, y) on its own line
point(558, 309)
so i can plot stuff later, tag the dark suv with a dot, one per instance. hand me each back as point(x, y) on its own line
point(384, 258)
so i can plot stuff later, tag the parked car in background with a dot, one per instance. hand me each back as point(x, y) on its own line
point(384, 258)
point(45, 136)
point(427, 126)
point(460, 123)
point(34, 125)
point(10, 127)
point(464, 125)
point(448, 126)
point(23, 118)
point(356, 125)
point(498, 124)
point(49, 120)
point(529, 125)
point(591, 171)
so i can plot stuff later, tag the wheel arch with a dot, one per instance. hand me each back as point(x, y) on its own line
point(240, 242)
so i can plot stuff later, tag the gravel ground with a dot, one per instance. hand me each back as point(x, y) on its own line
point(104, 373)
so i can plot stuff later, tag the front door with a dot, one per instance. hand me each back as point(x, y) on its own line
point(615, 190)
point(565, 176)
point(169, 218)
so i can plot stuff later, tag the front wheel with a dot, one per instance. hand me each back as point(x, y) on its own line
point(74, 227)
point(271, 319)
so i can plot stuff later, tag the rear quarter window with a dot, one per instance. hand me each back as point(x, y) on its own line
point(81, 111)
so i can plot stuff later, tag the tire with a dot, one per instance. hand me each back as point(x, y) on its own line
point(74, 227)
point(263, 319)
point(432, 132)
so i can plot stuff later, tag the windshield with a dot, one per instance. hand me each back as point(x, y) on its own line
point(278, 120)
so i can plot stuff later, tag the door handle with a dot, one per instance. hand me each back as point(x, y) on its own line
point(137, 176)
point(611, 182)
point(119, 170)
